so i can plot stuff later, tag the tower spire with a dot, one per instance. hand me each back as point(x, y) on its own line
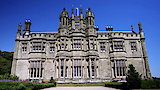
point(81, 13)
point(72, 13)
point(26, 30)
point(140, 27)
point(132, 28)
point(19, 27)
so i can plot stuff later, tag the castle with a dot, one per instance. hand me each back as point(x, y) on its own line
point(79, 52)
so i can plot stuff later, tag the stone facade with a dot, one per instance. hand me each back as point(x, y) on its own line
point(78, 52)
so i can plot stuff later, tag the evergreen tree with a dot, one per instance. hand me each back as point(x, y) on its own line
point(133, 78)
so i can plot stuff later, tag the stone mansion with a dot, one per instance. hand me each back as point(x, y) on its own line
point(79, 52)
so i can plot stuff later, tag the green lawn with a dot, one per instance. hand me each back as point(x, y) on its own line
point(86, 84)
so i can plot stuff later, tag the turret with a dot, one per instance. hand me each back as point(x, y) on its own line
point(81, 13)
point(72, 19)
point(90, 23)
point(132, 29)
point(63, 22)
point(26, 30)
point(19, 30)
point(90, 17)
point(81, 18)
point(140, 30)
point(145, 56)
point(63, 18)
point(72, 16)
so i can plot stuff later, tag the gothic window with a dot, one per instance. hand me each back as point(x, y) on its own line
point(118, 46)
point(36, 69)
point(119, 68)
point(77, 44)
point(102, 46)
point(92, 67)
point(52, 47)
point(24, 47)
point(133, 46)
point(77, 68)
point(62, 67)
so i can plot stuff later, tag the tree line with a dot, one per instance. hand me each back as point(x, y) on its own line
point(5, 62)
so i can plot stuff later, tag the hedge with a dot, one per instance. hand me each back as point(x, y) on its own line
point(14, 85)
point(8, 77)
point(117, 85)
point(150, 84)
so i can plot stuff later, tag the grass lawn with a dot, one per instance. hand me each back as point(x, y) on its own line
point(85, 84)
point(80, 84)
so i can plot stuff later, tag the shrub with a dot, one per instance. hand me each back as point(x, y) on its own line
point(13, 85)
point(114, 85)
point(52, 81)
point(150, 84)
point(8, 77)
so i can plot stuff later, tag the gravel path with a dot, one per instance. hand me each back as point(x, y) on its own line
point(80, 88)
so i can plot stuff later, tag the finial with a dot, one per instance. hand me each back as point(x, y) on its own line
point(19, 26)
point(27, 20)
point(64, 9)
point(89, 9)
point(140, 26)
point(80, 10)
point(72, 10)
point(132, 28)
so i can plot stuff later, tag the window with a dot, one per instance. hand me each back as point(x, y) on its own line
point(102, 46)
point(118, 46)
point(77, 68)
point(62, 67)
point(133, 46)
point(38, 46)
point(77, 44)
point(24, 47)
point(119, 68)
point(52, 47)
point(62, 44)
point(91, 44)
point(36, 69)
point(77, 25)
point(92, 67)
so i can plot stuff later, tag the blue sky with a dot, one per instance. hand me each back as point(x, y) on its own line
point(44, 15)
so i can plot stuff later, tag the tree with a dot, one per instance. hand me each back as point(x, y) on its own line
point(133, 78)
point(5, 62)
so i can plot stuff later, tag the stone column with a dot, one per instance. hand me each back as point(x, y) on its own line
point(40, 67)
point(33, 72)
